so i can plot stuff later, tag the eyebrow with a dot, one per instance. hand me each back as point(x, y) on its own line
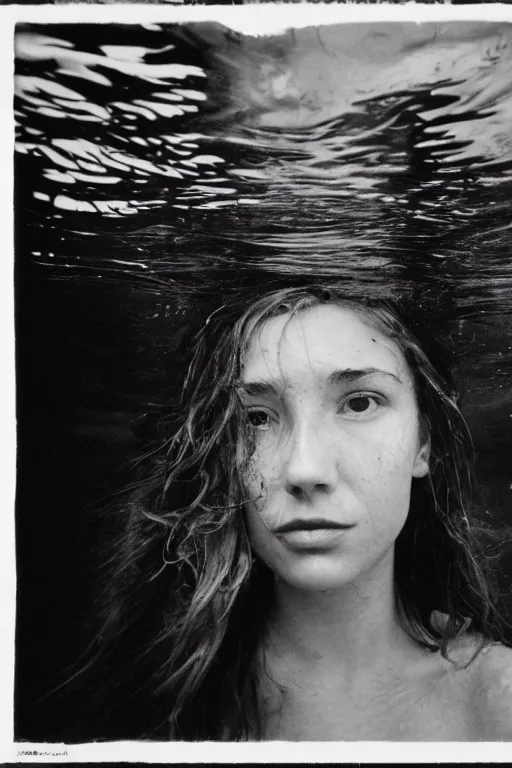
point(342, 376)
point(257, 388)
point(352, 374)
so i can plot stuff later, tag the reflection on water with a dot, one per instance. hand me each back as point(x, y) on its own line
point(295, 136)
point(190, 157)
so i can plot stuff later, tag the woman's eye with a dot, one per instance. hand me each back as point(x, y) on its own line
point(361, 404)
point(259, 419)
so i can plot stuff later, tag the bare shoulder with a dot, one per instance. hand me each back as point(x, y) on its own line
point(493, 692)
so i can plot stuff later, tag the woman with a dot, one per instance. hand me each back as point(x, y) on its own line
point(302, 563)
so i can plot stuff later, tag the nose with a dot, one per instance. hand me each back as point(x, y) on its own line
point(310, 465)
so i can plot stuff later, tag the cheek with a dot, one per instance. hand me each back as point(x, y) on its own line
point(261, 539)
point(389, 452)
point(261, 469)
point(252, 475)
point(382, 473)
point(259, 481)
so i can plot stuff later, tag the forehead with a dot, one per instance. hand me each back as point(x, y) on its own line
point(320, 339)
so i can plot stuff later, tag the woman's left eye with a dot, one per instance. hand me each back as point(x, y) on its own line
point(361, 404)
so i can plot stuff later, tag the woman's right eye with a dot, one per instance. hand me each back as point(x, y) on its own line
point(259, 419)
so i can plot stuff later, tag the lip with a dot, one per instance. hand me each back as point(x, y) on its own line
point(311, 524)
point(312, 535)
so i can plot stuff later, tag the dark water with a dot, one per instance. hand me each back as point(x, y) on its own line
point(159, 165)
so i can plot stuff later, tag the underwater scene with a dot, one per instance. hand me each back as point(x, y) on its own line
point(160, 168)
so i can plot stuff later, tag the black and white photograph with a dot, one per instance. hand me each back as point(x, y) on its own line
point(263, 342)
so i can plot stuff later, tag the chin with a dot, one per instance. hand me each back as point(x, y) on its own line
point(315, 577)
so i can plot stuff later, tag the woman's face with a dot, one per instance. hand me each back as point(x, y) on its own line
point(331, 404)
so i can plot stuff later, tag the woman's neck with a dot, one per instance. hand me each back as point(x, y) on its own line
point(356, 627)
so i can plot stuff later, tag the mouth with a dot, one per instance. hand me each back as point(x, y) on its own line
point(311, 536)
point(317, 524)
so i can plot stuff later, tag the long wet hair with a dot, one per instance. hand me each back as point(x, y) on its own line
point(185, 603)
